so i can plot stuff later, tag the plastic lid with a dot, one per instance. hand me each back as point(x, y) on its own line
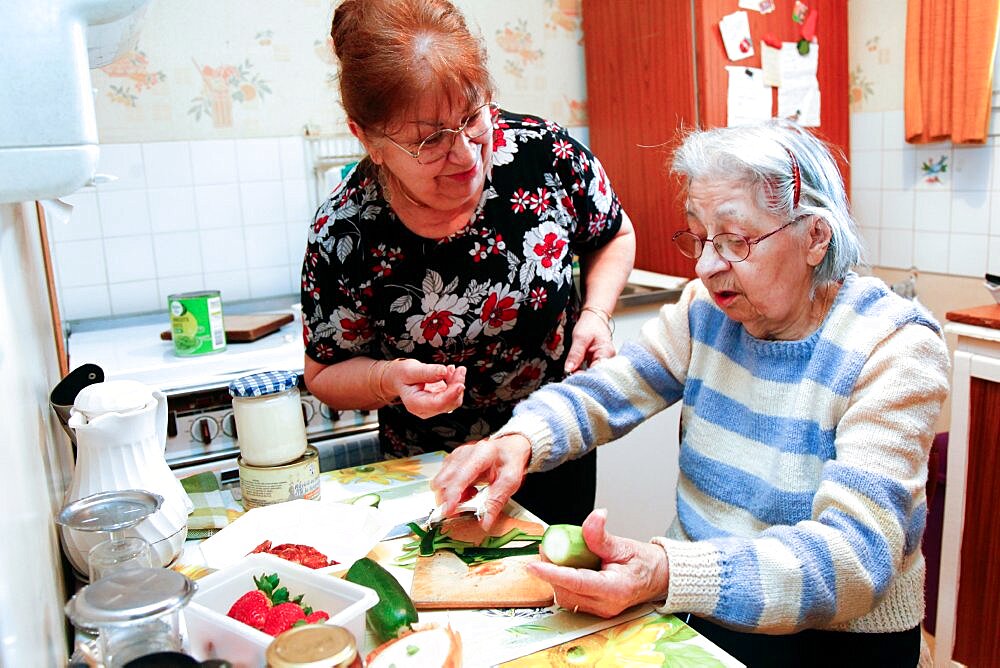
point(312, 646)
point(129, 596)
point(112, 396)
point(267, 382)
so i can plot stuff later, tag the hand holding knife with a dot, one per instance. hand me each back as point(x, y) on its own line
point(473, 502)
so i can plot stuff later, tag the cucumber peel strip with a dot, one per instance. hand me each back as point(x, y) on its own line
point(490, 548)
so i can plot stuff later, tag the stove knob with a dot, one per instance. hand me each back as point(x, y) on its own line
point(330, 414)
point(204, 429)
point(307, 411)
point(229, 425)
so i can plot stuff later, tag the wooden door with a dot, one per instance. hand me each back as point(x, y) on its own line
point(977, 621)
point(655, 68)
point(640, 90)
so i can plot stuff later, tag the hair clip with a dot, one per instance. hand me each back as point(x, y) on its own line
point(797, 188)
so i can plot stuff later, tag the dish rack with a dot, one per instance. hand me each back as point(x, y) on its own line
point(328, 154)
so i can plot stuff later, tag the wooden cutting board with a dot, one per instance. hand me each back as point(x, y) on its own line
point(444, 581)
point(984, 316)
point(246, 328)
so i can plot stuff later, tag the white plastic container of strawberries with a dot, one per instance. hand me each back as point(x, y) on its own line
point(211, 634)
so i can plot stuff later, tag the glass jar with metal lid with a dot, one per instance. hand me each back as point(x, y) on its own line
point(314, 646)
point(267, 411)
point(135, 612)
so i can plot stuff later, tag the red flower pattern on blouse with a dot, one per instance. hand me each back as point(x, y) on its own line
point(497, 311)
point(539, 202)
point(550, 250)
point(537, 298)
point(359, 328)
point(521, 200)
point(563, 149)
point(437, 323)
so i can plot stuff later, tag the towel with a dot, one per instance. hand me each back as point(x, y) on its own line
point(214, 507)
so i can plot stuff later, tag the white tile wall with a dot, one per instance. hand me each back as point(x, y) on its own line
point(229, 215)
point(932, 207)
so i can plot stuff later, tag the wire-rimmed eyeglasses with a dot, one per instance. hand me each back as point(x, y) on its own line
point(438, 144)
point(730, 246)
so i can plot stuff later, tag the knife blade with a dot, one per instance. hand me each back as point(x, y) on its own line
point(403, 529)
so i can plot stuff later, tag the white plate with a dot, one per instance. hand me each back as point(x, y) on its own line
point(342, 532)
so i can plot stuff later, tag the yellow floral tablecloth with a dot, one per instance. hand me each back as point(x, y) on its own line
point(650, 640)
point(515, 637)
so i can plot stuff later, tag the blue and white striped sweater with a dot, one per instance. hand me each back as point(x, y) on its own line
point(800, 500)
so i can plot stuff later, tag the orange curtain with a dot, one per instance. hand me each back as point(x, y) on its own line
point(950, 46)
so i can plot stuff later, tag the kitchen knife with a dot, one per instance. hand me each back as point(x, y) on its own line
point(473, 505)
point(404, 529)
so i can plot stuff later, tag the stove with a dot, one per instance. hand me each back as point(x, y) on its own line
point(201, 435)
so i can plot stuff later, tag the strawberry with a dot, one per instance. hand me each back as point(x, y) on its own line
point(282, 617)
point(317, 617)
point(251, 608)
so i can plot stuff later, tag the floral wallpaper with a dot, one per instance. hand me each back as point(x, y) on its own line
point(877, 53)
point(252, 68)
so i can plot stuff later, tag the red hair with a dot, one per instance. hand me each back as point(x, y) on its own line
point(393, 52)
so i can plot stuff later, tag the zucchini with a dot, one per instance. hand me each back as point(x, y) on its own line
point(563, 545)
point(368, 500)
point(394, 611)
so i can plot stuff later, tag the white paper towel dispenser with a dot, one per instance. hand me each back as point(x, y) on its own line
point(48, 126)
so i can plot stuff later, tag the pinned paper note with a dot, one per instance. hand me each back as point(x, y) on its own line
point(762, 6)
point(735, 29)
point(798, 87)
point(770, 63)
point(749, 99)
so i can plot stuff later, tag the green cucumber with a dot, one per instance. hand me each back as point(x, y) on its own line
point(372, 500)
point(394, 611)
point(563, 545)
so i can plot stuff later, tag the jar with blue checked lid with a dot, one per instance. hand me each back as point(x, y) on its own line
point(267, 411)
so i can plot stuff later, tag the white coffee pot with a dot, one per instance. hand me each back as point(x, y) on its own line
point(121, 436)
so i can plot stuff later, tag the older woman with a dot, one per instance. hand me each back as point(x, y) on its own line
point(809, 400)
point(438, 279)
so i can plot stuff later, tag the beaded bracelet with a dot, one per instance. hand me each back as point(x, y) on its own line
point(603, 315)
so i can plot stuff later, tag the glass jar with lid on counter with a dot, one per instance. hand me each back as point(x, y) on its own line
point(267, 411)
point(314, 646)
point(136, 613)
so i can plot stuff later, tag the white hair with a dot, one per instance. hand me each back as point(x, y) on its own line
point(765, 156)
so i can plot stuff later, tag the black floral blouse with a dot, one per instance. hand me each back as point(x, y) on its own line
point(497, 296)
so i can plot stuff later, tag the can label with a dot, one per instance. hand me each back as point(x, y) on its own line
point(196, 323)
point(264, 485)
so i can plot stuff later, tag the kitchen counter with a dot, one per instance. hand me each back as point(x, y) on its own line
point(131, 347)
point(514, 637)
point(646, 287)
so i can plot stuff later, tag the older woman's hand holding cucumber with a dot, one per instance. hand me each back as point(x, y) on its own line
point(631, 572)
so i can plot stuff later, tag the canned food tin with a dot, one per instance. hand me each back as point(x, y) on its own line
point(196, 323)
point(264, 485)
